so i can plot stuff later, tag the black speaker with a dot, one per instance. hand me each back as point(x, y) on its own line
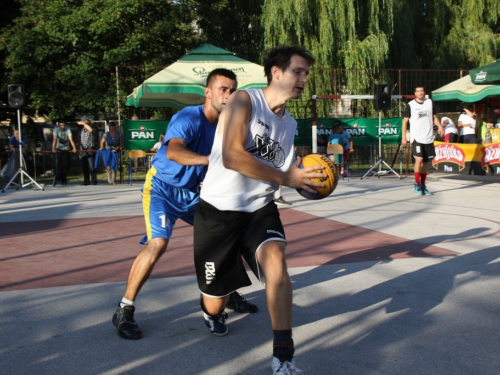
point(16, 95)
point(381, 97)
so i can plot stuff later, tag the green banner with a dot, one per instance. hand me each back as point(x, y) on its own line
point(142, 134)
point(364, 131)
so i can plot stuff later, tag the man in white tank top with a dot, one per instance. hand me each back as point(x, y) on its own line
point(422, 115)
point(237, 217)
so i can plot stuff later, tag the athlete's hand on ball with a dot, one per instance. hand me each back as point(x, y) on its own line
point(300, 178)
point(329, 170)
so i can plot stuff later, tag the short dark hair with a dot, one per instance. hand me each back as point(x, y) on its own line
point(281, 57)
point(422, 86)
point(112, 123)
point(220, 72)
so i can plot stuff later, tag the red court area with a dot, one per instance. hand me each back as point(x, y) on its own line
point(40, 254)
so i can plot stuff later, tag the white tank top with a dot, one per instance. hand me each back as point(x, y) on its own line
point(270, 141)
point(421, 121)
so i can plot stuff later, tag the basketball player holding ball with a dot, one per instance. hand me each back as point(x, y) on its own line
point(237, 217)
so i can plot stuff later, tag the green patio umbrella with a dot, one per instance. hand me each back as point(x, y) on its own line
point(465, 90)
point(182, 83)
point(486, 75)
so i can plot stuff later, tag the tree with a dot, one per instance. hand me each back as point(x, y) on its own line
point(66, 51)
point(473, 39)
point(10, 10)
point(233, 25)
point(340, 34)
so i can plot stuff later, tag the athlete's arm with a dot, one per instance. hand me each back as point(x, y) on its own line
point(406, 117)
point(404, 141)
point(177, 151)
point(438, 124)
point(233, 125)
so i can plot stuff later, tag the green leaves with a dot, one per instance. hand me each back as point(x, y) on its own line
point(66, 51)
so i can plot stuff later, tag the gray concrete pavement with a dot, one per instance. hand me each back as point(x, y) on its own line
point(391, 316)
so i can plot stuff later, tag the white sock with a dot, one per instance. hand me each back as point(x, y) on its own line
point(126, 302)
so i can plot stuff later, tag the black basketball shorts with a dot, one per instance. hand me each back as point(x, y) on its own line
point(222, 238)
point(423, 150)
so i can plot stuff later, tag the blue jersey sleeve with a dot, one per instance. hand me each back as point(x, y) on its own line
point(184, 127)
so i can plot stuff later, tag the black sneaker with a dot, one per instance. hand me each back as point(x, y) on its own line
point(281, 201)
point(239, 304)
point(123, 320)
point(216, 324)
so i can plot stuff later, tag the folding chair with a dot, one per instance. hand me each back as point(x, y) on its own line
point(134, 154)
point(337, 149)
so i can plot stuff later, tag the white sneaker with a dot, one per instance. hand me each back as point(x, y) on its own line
point(285, 367)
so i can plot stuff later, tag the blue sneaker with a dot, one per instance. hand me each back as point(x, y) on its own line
point(425, 191)
point(418, 189)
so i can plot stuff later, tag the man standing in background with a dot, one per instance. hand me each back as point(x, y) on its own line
point(87, 152)
point(422, 116)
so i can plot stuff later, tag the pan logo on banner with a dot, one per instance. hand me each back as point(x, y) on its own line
point(355, 130)
point(449, 153)
point(142, 134)
point(387, 129)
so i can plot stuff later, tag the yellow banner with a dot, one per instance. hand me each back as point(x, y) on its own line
point(467, 158)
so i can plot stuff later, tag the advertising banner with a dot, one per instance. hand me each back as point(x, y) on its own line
point(364, 131)
point(463, 158)
point(142, 134)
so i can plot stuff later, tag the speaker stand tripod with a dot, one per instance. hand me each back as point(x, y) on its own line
point(380, 161)
point(21, 172)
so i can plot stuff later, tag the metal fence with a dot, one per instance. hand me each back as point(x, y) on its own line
point(361, 81)
point(324, 81)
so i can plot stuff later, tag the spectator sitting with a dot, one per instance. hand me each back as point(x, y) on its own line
point(348, 149)
point(14, 142)
point(335, 138)
point(322, 144)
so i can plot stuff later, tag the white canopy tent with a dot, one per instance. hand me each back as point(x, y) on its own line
point(182, 83)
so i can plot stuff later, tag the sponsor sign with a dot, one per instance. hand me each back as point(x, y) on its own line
point(463, 158)
point(449, 153)
point(491, 155)
point(142, 134)
point(364, 131)
point(201, 71)
point(481, 76)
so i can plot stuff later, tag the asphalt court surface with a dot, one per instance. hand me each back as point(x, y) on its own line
point(385, 282)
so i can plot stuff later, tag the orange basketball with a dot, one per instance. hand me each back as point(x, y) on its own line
point(330, 181)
